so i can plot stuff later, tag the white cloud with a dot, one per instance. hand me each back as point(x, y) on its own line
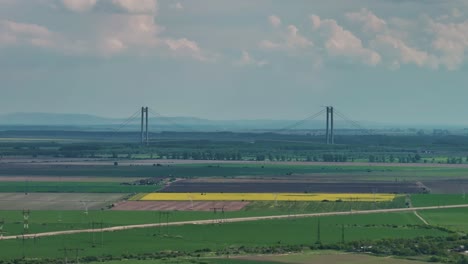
point(371, 22)
point(110, 46)
point(451, 41)
point(275, 21)
point(177, 5)
point(401, 53)
point(316, 21)
point(289, 40)
point(185, 47)
point(391, 39)
point(341, 42)
point(12, 33)
point(246, 59)
point(25, 29)
point(111, 34)
point(269, 45)
point(79, 5)
point(294, 39)
point(137, 6)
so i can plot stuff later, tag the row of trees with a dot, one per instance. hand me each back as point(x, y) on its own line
point(400, 159)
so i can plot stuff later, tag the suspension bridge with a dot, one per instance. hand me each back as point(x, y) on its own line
point(329, 112)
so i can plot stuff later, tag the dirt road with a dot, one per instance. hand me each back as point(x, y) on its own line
point(150, 162)
point(229, 220)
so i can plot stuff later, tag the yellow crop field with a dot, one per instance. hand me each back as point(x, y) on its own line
point(362, 197)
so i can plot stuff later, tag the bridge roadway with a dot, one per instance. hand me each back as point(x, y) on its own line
point(228, 220)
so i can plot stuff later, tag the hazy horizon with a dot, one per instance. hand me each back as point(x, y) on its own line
point(398, 62)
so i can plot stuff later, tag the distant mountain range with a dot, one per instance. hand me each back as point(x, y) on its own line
point(92, 122)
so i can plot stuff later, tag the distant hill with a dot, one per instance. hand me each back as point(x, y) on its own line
point(168, 123)
point(91, 122)
point(54, 119)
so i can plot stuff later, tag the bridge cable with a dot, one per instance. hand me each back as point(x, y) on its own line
point(309, 118)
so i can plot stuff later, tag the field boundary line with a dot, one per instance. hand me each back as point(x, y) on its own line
point(229, 220)
point(421, 218)
point(137, 197)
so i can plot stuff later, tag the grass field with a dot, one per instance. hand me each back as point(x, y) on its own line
point(220, 236)
point(311, 207)
point(331, 257)
point(217, 260)
point(418, 200)
point(363, 197)
point(74, 187)
point(387, 173)
point(454, 219)
point(54, 220)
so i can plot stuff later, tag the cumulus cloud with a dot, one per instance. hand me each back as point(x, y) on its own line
point(21, 33)
point(391, 39)
point(246, 59)
point(290, 39)
point(185, 47)
point(122, 32)
point(370, 21)
point(26, 34)
point(269, 45)
point(137, 6)
point(400, 52)
point(110, 46)
point(124, 26)
point(294, 39)
point(450, 41)
point(111, 34)
point(79, 5)
point(341, 42)
point(275, 21)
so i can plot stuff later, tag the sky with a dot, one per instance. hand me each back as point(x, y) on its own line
point(396, 61)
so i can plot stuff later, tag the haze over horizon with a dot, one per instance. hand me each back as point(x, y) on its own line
point(233, 60)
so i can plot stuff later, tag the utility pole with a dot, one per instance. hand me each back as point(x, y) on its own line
point(161, 215)
point(342, 234)
point(318, 232)
point(26, 221)
point(76, 253)
point(216, 219)
point(65, 254)
point(2, 223)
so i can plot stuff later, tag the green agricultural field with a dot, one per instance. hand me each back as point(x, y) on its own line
point(387, 173)
point(453, 219)
point(74, 187)
point(55, 220)
point(190, 238)
point(330, 257)
point(420, 200)
point(191, 261)
point(315, 207)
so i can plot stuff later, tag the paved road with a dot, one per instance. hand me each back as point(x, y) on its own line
point(229, 220)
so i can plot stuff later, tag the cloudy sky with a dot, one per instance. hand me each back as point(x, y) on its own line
point(390, 60)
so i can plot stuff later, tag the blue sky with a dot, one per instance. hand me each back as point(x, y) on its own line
point(397, 61)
